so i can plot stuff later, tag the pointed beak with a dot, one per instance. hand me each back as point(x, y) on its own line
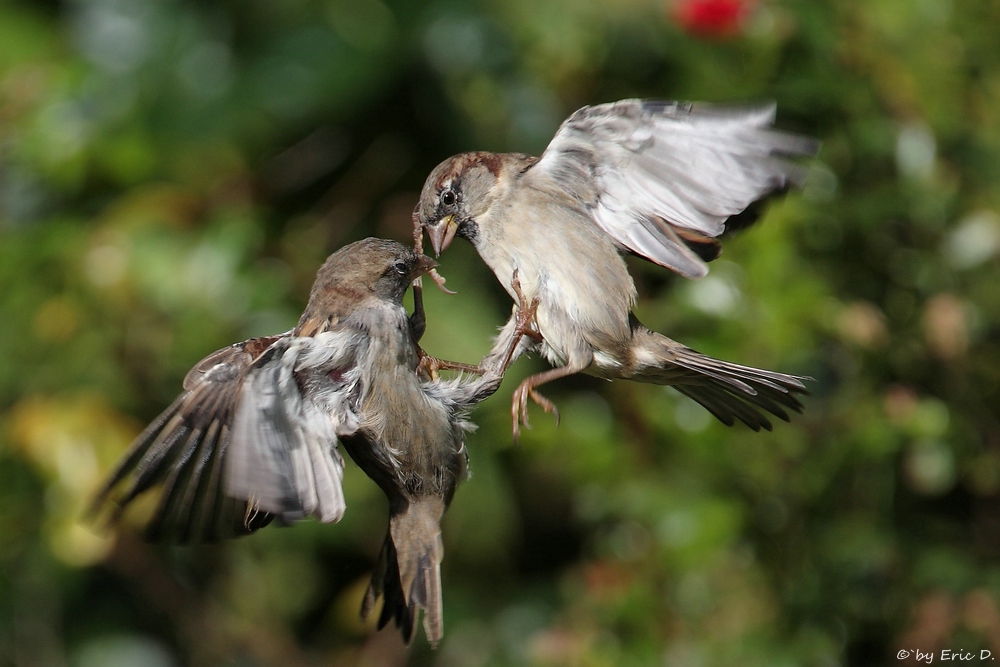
point(442, 233)
point(424, 265)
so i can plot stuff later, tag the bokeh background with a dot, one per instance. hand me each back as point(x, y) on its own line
point(172, 173)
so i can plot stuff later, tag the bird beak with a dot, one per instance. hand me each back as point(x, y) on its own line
point(442, 233)
point(424, 265)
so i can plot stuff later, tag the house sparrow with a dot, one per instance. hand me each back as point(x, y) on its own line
point(655, 179)
point(254, 435)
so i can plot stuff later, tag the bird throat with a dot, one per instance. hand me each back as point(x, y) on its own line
point(468, 230)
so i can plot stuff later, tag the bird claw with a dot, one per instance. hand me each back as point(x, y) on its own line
point(519, 406)
point(433, 366)
point(523, 321)
point(526, 311)
point(439, 281)
point(428, 365)
point(548, 406)
point(418, 247)
point(519, 411)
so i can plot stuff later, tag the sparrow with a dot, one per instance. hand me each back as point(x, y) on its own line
point(254, 436)
point(654, 179)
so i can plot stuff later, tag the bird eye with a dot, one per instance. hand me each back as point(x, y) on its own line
point(448, 198)
point(400, 267)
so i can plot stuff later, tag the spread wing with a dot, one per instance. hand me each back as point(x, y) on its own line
point(191, 448)
point(298, 398)
point(183, 451)
point(661, 177)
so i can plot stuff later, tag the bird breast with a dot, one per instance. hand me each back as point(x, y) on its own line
point(412, 429)
point(585, 291)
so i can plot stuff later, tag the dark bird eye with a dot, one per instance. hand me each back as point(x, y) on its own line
point(448, 198)
point(400, 267)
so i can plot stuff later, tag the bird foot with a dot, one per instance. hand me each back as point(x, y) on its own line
point(418, 247)
point(526, 311)
point(439, 280)
point(524, 321)
point(433, 366)
point(428, 365)
point(519, 406)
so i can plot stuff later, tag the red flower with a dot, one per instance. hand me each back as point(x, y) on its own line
point(712, 18)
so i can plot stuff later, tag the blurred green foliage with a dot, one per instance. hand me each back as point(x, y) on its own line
point(173, 172)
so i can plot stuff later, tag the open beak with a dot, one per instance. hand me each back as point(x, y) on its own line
point(442, 233)
point(424, 265)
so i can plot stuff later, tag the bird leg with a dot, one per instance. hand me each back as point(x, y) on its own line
point(432, 365)
point(418, 320)
point(418, 247)
point(519, 401)
point(523, 319)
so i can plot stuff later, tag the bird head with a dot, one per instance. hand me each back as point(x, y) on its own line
point(358, 272)
point(456, 196)
point(379, 266)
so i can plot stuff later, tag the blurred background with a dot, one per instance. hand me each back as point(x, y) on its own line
point(173, 172)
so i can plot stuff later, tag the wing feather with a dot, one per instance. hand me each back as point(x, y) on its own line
point(643, 166)
point(178, 447)
point(284, 458)
point(246, 441)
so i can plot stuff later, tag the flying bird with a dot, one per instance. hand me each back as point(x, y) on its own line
point(654, 179)
point(254, 436)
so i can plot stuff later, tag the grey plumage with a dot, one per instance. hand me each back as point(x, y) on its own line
point(656, 179)
point(184, 450)
point(647, 170)
point(255, 434)
point(296, 400)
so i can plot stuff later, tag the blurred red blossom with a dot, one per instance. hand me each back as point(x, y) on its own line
point(712, 18)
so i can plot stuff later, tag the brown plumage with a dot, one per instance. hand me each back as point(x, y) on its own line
point(656, 179)
point(254, 435)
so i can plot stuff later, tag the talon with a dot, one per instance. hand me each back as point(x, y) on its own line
point(439, 281)
point(428, 364)
point(433, 365)
point(526, 311)
point(519, 407)
point(525, 317)
point(516, 418)
point(546, 404)
point(519, 410)
point(418, 247)
point(418, 234)
point(528, 388)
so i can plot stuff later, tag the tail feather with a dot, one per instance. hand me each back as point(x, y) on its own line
point(727, 408)
point(729, 391)
point(386, 584)
point(407, 575)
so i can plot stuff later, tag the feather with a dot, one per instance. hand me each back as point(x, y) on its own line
point(693, 166)
point(180, 451)
point(282, 456)
point(729, 391)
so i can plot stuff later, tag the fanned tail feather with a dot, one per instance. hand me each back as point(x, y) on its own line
point(729, 391)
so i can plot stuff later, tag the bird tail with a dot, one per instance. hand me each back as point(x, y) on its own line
point(729, 391)
point(408, 572)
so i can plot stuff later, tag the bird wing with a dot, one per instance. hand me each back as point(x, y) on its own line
point(246, 442)
point(660, 176)
point(184, 450)
point(298, 398)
